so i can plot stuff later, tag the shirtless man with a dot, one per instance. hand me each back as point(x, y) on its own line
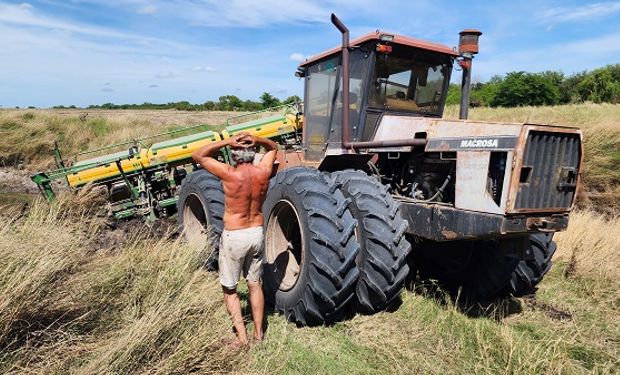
point(241, 246)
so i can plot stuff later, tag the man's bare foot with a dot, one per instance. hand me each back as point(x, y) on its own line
point(235, 343)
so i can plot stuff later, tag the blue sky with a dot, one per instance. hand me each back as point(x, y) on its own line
point(85, 52)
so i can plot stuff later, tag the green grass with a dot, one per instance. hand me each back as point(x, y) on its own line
point(427, 336)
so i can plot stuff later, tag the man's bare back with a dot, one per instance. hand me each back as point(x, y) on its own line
point(245, 188)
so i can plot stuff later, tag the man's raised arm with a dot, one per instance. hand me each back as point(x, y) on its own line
point(272, 152)
point(204, 155)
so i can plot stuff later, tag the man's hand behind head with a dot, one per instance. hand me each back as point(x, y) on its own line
point(242, 140)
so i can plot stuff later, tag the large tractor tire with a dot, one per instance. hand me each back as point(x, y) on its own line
point(491, 269)
point(530, 271)
point(382, 260)
point(310, 247)
point(200, 214)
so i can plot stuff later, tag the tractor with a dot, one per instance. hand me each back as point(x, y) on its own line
point(380, 186)
point(372, 186)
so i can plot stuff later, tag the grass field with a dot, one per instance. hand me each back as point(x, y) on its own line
point(78, 297)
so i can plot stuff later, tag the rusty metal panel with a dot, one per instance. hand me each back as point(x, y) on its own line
point(442, 223)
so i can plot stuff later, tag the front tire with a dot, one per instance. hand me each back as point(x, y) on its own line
point(484, 270)
point(310, 248)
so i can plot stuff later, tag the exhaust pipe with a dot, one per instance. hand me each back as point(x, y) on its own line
point(345, 81)
point(468, 47)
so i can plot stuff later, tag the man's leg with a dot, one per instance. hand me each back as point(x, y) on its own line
point(231, 300)
point(257, 301)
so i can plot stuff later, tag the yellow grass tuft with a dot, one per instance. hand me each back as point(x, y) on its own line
point(591, 246)
point(71, 303)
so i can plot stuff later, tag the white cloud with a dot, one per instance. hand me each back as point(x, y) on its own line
point(169, 74)
point(79, 59)
point(202, 68)
point(299, 57)
point(248, 13)
point(583, 13)
point(25, 15)
point(148, 9)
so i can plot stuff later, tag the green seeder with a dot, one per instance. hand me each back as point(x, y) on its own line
point(143, 180)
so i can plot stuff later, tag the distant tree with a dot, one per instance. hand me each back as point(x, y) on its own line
point(250, 105)
point(209, 105)
point(601, 85)
point(482, 94)
point(292, 99)
point(230, 103)
point(454, 94)
point(268, 100)
point(568, 88)
point(522, 89)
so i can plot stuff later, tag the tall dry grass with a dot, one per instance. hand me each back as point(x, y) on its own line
point(70, 302)
point(28, 136)
point(73, 300)
point(591, 246)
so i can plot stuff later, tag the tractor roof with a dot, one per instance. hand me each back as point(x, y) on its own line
point(398, 39)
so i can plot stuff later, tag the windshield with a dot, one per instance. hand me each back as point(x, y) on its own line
point(409, 80)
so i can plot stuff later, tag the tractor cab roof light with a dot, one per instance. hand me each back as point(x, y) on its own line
point(386, 38)
point(384, 48)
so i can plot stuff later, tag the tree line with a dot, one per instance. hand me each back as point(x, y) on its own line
point(512, 90)
point(224, 103)
point(547, 88)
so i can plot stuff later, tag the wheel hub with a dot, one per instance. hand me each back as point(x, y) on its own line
point(284, 245)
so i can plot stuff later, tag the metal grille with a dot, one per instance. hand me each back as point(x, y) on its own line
point(548, 176)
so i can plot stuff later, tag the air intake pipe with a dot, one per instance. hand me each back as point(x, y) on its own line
point(468, 47)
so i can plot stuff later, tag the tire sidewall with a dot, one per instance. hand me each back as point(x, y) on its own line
point(214, 226)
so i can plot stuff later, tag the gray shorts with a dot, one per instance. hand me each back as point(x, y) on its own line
point(240, 250)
